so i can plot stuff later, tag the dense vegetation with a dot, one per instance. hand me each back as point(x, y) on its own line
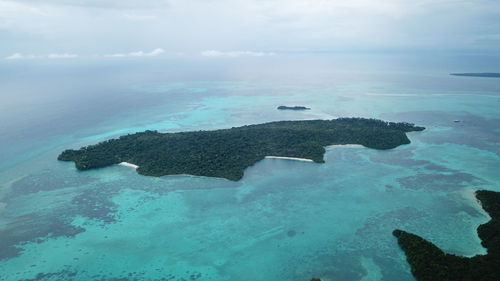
point(227, 153)
point(284, 107)
point(429, 263)
point(489, 75)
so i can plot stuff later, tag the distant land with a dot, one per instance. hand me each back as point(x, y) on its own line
point(429, 263)
point(284, 107)
point(227, 153)
point(486, 74)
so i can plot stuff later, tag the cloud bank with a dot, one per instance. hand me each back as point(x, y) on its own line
point(62, 56)
point(234, 54)
point(19, 56)
point(101, 27)
point(153, 53)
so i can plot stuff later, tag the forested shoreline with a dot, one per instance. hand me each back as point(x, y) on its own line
point(429, 263)
point(226, 153)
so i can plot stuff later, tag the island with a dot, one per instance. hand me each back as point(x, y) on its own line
point(284, 107)
point(226, 153)
point(429, 263)
point(485, 74)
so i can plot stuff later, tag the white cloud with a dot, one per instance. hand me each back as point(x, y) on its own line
point(97, 26)
point(19, 56)
point(234, 54)
point(102, 4)
point(62, 56)
point(153, 53)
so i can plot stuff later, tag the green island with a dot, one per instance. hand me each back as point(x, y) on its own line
point(485, 74)
point(284, 107)
point(429, 263)
point(226, 153)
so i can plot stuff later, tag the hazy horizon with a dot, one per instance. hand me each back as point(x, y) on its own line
point(69, 29)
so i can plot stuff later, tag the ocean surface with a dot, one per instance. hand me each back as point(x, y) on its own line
point(285, 220)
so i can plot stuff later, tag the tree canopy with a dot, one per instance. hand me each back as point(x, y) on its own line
point(429, 263)
point(227, 153)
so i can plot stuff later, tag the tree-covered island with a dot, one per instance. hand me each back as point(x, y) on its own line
point(484, 74)
point(227, 153)
point(297, 107)
point(429, 263)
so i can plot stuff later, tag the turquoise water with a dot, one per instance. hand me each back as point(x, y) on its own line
point(285, 220)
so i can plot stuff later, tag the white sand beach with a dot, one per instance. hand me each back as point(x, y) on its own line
point(345, 145)
point(470, 194)
point(126, 164)
point(289, 158)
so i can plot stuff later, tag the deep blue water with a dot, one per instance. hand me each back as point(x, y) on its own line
point(285, 220)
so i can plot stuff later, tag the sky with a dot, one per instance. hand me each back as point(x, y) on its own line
point(66, 29)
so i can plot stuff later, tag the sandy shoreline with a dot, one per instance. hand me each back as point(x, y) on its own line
point(289, 158)
point(126, 164)
point(345, 145)
point(470, 194)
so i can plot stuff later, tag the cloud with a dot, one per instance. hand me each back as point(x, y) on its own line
point(62, 56)
point(234, 54)
point(98, 26)
point(101, 4)
point(153, 53)
point(19, 56)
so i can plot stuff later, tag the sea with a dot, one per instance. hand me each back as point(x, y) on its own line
point(284, 220)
